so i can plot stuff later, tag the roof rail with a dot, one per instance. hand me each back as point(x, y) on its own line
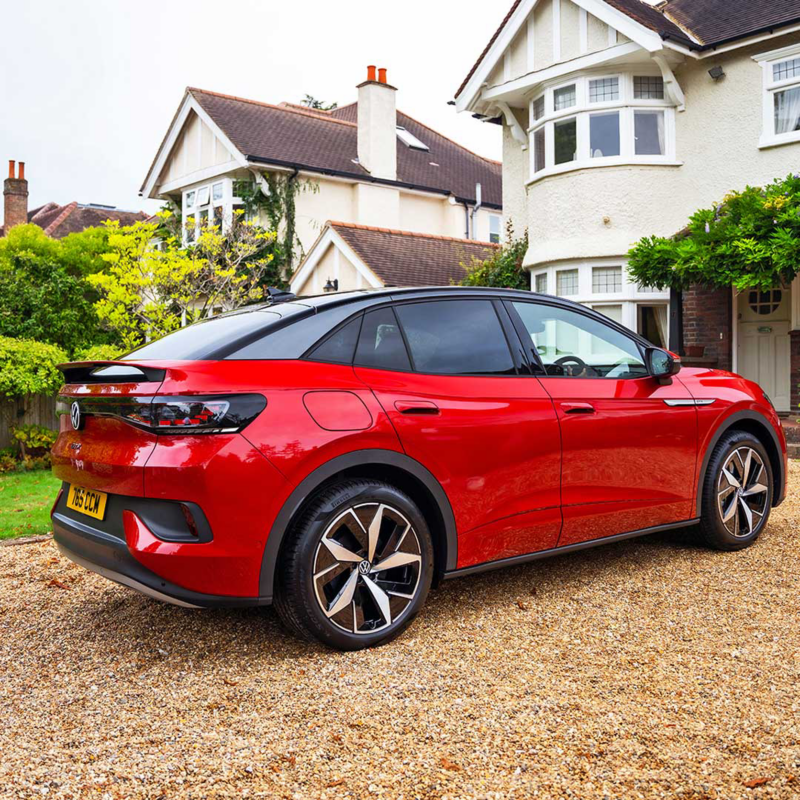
point(275, 295)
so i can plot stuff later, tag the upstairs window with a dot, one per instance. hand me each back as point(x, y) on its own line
point(781, 70)
point(648, 87)
point(495, 225)
point(604, 90)
point(409, 140)
point(564, 97)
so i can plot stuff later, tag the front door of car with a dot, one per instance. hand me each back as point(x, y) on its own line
point(444, 374)
point(629, 442)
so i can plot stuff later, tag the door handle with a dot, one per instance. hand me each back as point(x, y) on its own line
point(577, 408)
point(416, 407)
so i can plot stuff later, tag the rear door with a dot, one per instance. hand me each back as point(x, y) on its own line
point(457, 396)
point(629, 442)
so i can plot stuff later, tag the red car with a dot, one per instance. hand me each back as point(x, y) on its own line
point(339, 455)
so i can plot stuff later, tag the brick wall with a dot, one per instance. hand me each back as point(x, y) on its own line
point(708, 321)
point(15, 197)
point(795, 374)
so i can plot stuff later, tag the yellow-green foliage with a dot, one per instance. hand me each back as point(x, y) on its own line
point(28, 367)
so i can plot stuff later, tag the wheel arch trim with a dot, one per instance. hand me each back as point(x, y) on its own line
point(724, 427)
point(359, 458)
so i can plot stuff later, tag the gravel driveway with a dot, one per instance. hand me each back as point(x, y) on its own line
point(645, 669)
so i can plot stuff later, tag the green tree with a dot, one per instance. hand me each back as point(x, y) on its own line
point(146, 293)
point(502, 269)
point(749, 240)
point(44, 294)
point(318, 105)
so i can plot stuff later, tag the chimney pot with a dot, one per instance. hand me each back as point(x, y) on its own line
point(11, 170)
point(382, 75)
point(15, 197)
point(371, 72)
point(22, 170)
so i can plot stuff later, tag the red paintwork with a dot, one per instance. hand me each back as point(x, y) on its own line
point(522, 464)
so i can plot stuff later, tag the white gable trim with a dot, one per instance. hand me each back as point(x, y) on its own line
point(642, 36)
point(188, 105)
point(330, 238)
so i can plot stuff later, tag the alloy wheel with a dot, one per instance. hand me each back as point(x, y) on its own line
point(742, 492)
point(367, 568)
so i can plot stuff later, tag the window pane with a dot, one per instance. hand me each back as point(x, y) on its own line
point(538, 150)
point(217, 191)
point(786, 69)
point(606, 279)
point(576, 346)
point(381, 344)
point(456, 337)
point(612, 312)
point(565, 141)
point(202, 196)
point(494, 228)
point(604, 134)
point(564, 98)
point(648, 88)
point(189, 199)
point(787, 111)
point(603, 90)
point(538, 107)
point(339, 348)
point(567, 282)
point(648, 131)
point(541, 283)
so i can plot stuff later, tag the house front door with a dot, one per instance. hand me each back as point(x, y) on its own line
point(763, 349)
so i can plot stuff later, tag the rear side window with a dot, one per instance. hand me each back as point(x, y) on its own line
point(381, 344)
point(340, 347)
point(456, 337)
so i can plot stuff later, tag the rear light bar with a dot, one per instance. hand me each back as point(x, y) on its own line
point(228, 413)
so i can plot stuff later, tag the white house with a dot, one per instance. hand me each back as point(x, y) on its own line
point(620, 119)
point(368, 164)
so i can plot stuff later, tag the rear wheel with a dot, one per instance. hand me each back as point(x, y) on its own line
point(737, 492)
point(357, 566)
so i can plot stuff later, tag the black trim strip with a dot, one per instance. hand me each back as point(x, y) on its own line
point(570, 548)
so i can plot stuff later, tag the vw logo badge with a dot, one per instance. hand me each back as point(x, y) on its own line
point(75, 416)
point(364, 567)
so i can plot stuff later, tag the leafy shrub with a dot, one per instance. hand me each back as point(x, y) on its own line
point(34, 440)
point(503, 269)
point(28, 367)
point(100, 352)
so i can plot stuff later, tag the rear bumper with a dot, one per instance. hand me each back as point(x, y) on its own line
point(108, 555)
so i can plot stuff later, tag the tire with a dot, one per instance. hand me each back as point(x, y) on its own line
point(348, 605)
point(733, 515)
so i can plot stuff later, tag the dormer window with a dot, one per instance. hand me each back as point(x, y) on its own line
point(409, 140)
point(601, 120)
point(781, 70)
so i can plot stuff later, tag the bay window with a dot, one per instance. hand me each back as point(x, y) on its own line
point(781, 77)
point(601, 120)
point(210, 204)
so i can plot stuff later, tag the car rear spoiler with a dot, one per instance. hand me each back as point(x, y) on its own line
point(110, 372)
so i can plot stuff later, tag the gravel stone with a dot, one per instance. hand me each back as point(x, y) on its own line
point(647, 669)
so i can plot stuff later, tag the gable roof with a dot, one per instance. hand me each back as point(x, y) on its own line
point(695, 24)
point(400, 258)
point(58, 221)
point(327, 142)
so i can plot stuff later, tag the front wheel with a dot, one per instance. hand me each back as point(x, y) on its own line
point(737, 492)
point(357, 566)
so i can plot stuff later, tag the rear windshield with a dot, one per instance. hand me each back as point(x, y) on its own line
point(204, 339)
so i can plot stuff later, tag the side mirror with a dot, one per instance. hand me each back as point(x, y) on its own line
point(662, 364)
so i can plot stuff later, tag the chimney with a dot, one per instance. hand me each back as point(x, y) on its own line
point(15, 197)
point(377, 126)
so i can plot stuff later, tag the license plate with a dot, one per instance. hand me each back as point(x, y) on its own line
point(87, 501)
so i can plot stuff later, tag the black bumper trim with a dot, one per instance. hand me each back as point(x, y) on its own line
point(109, 556)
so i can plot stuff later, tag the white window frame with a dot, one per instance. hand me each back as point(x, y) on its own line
point(626, 105)
point(630, 298)
point(496, 219)
point(770, 87)
point(228, 202)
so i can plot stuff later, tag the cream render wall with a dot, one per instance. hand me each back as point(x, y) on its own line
point(603, 211)
point(334, 265)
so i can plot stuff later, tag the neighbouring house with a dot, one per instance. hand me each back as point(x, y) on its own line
point(369, 164)
point(54, 219)
point(620, 119)
point(361, 256)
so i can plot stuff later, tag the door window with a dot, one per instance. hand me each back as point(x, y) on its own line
point(573, 345)
point(381, 344)
point(456, 337)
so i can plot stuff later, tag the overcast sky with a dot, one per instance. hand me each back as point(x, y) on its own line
point(88, 87)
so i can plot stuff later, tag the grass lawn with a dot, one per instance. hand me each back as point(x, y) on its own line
point(25, 502)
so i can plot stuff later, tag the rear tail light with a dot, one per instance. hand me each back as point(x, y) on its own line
point(174, 415)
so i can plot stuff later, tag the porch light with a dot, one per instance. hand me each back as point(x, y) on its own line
point(331, 286)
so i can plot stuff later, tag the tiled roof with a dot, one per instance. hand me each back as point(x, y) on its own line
point(400, 258)
point(715, 21)
point(58, 221)
point(328, 142)
point(697, 24)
